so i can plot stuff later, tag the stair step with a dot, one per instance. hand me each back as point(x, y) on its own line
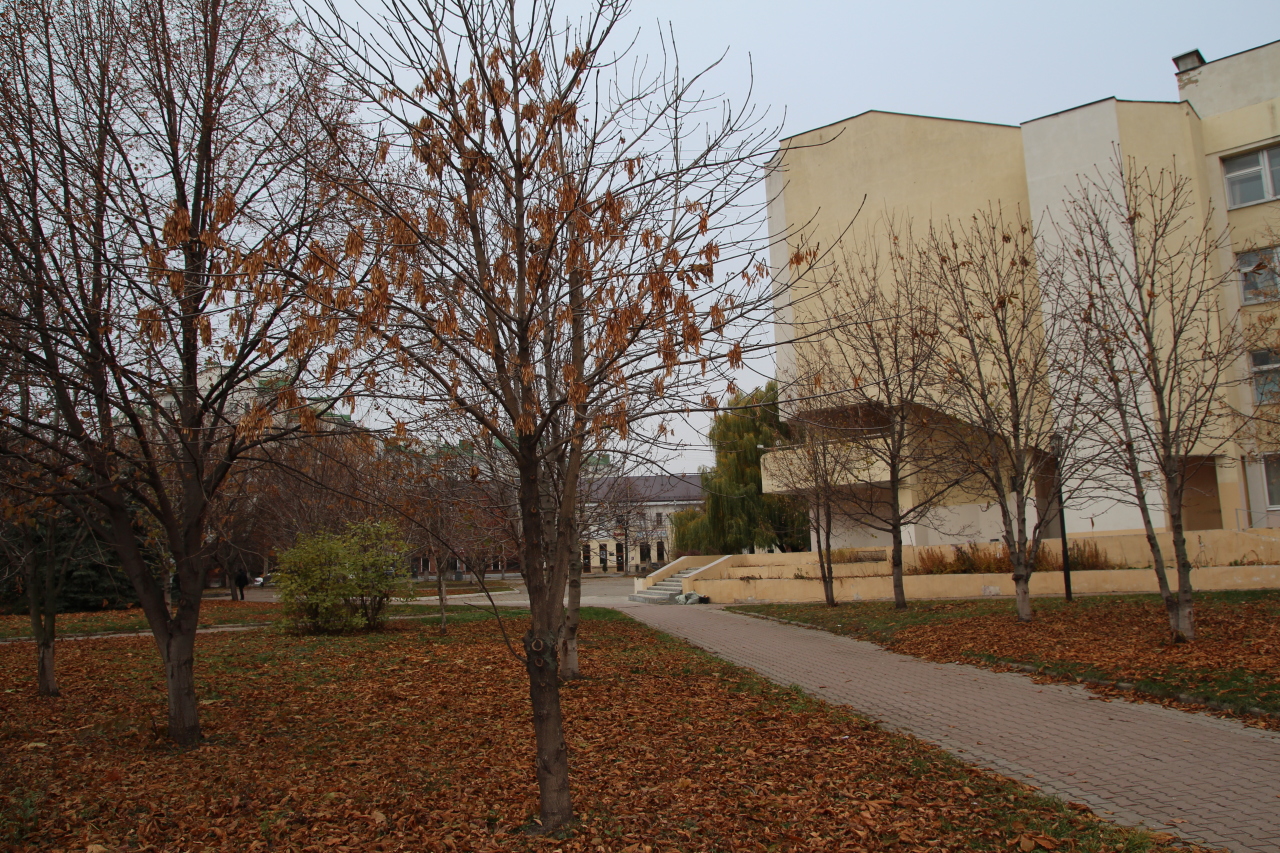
point(665, 590)
point(646, 598)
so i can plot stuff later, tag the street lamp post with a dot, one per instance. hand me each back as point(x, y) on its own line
point(1062, 515)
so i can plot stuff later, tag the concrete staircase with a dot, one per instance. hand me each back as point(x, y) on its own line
point(664, 591)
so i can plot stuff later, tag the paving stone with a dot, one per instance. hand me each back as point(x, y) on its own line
point(1145, 763)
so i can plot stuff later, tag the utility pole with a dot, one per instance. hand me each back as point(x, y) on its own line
point(1062, 515)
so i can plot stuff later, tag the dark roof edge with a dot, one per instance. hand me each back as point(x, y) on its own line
point(894, 113)
point(1103, 100)
point(1228, 56)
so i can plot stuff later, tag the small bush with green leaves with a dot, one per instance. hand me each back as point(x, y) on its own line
point(333, 582)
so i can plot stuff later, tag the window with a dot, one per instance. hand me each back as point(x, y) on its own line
point(1252, 177)
point(1272, 465)
point(1266, 376)
point(604, 557)
point(657, 519)
point(1258, 269)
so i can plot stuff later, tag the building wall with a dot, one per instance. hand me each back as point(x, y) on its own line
point(1238, 101)
point(1217, 554)
point(1232, 83)
point(845, 179)
point(1066, 151)
point(845, 182)
point(641, 528)
point(848, 178)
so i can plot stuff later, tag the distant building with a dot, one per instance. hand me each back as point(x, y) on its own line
point(1223, 134)
point(626, 520)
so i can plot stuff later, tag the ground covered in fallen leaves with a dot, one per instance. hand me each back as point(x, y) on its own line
point(1235, 660)
point(405, 740)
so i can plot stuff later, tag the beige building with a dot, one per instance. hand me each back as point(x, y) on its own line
point(627, 520)
point(1223, 134)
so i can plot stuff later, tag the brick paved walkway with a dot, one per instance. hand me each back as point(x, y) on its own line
point(1208, 779)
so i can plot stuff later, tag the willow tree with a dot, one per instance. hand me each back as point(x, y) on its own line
point(737, 513)
point(542, 253)
point(155, 202)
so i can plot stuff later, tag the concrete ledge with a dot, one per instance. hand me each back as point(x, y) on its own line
point(740, 590)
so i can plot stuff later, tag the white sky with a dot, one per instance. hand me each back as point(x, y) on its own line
point(819, 61)
point(1004, 62)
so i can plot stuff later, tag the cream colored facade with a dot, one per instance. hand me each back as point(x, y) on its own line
point(891, 166)
point(626, 521)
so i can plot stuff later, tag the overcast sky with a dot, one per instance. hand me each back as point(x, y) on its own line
point(1004, 62)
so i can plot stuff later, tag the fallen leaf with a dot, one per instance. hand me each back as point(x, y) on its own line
point(348, 769)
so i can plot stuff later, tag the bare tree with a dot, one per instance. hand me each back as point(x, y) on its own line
point(1008, 398)
point(871, 377)
point(539, 256)
point(41, 540)
point(1139, 267)
point(817, 468)
point(155, 209)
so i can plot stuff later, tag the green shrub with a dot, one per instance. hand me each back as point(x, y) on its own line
point(333, 582)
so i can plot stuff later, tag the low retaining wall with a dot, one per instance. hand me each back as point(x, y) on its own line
point(724, 589)
point(1204, 547)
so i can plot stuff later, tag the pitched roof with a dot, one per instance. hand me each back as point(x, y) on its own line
point(646, 488)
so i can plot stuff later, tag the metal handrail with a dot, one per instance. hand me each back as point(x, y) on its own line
point(1269, 518)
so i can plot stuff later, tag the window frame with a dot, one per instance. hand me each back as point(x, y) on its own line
point(1268, 167)
point(1267, 461)
point(1270, 293)
point(1271, 370)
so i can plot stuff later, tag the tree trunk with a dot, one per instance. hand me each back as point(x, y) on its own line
point(1149, 528)
point(1022, 594)
point(179, 677)
point(828, 570)
point(1180, 606)
point(442, 597)
point(895, 532)
point(899, 592)
point(545, 581)
point(568, 651)
point(46, 680)
point(1021, 583)
point(42, 605)
point(556, 806)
